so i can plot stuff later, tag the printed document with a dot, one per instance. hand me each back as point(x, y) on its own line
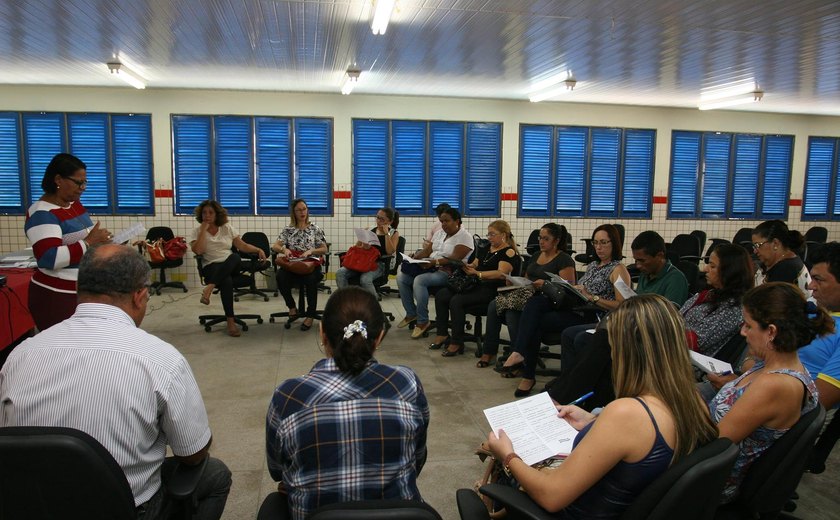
point(709, 364)
point(366, 236)
point(127, 234)
point(625, 290)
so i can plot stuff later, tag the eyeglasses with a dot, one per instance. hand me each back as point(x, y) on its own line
point(77, 182)
point(546, 238)
point(600, 242)
point(757, 245)
point(492, 234)
point(381, 219)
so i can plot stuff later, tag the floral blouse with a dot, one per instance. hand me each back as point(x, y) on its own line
point(597, 279)
point(300, 240)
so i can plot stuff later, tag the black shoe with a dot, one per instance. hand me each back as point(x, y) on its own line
point(453, 353)
point(290, 320)
point(438, 346)
point(512, 370)
point(522, 393)
point(304, 327)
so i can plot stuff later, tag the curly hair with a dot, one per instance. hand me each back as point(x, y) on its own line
point(221, 213)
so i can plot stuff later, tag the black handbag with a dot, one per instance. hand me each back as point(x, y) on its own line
point(460, 282)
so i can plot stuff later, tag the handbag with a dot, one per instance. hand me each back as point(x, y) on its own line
point(361, 260)
point(301, 267)
point(155, 251)
point(175, 248)
point(514, 300)
point(460, 282)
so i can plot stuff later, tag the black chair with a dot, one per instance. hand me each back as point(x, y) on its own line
point(744, 239)
point(391, 263)
point(688, 490)
point(817, 234)
point(254, 265)
point(390, 509)
point(824, 446)
point(686, 247)
point(715, 242)
point(772, 479)
point(208, 320)
point(165, 233)
point(701, 237)
point(532, 247)
point(51, 472)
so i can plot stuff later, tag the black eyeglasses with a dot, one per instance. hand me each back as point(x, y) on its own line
point(77, 182)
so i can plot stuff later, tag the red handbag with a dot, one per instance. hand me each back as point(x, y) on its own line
point(155, 251)
point(301, 267)
point(361, 260)
point(175, 248)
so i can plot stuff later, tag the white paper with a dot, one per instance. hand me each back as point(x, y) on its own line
point(625, 290)
point(10, 259)
point(366, 236)
point(417, 260)
point(127, 234)
point(518, 281)
point(709, 364)
point(533, 427)
point(301, 258)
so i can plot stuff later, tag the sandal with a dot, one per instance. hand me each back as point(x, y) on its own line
point(205, 300)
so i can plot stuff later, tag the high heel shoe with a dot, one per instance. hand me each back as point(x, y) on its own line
point(522, 393)
point(438, 346)
point(452, 353)
point(511, 370)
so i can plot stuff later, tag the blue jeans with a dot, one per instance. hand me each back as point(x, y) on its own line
point(211, 493)
point(344, 276)
point(416, 288)
point(493, 328)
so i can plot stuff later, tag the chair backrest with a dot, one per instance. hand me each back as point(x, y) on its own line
point(258, 238)
point(817, 234)
point(394, 509)
point(690, 489)
point(533, 245)
point(742, 237)
point(52, 472)
point(773, 478)
point(395, 265)
point(685, 245)
point(157, 232)
point(701, 237)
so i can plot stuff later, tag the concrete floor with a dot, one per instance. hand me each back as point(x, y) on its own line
point(237, 377)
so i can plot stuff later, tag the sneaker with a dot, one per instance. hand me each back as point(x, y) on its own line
point(406, 321)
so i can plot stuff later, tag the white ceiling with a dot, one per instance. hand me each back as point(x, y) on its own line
point(639, 52)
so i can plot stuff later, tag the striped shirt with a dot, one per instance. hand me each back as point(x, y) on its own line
point(57, 237)
point(332, 437)
point(99, 373)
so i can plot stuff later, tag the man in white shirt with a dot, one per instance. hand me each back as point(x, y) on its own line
point(98, 372)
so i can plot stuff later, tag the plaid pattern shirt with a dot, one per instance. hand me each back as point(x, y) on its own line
point(332, 437)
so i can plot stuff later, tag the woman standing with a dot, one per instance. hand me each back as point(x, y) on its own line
point(387, 220)
point(213, 240)
point(656, 420)
point(60, 231)
point(552, 258)
point(451, 243)
point(761, 405)
point(301, 238)
point(775, 246)
point(502, 259)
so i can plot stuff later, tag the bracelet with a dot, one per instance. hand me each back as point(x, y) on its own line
point(508, 459)
point(479, 275)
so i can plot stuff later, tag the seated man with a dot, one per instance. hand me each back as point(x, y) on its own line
point(822, 357)
point(98, 372)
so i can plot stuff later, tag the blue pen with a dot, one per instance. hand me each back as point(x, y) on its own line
point(581, 399)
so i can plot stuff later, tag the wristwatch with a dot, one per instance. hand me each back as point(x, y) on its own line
point(596, 299)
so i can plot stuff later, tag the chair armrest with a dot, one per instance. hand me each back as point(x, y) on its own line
point(515, 500)
point(470, 506)
point(184, 479)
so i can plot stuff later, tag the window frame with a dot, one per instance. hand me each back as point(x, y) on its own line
point(831, 212)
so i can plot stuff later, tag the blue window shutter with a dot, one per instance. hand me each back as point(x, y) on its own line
point(11, 170)
point(446, 164)
point(192, 161)
point(484, 150)
point(43, 137)
point(133, 174)
point(604, 169)
point(408, 144)
point(716, 152)
point(820, 174)
point(570, 165)
point(273, 165)
point(776, 185)
point(370, 166)
point(89, 142)
point(685, 174)
point(233, 163)
point(535, 170)
point(313, 160)
point(637, 181)
point(745, 182)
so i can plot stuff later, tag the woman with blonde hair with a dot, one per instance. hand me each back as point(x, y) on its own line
point(501, 260)
point(657, 419)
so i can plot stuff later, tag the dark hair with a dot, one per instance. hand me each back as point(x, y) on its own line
point(440, 208)
point(64, 165)
point(558, 232)
point(777, 229)
point(829, 254)
point(344, 307)
point(452, 212)
point(783, 305)
point(736, 274)
point(393, 215)
point(292, 211)
point(112, 270)
point(615, 239)
point(650, 242)
point(221, 213)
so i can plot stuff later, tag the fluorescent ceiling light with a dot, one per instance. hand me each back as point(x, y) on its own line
point(351, 78)
point(382, 10)
point(743, 99)
point(727, 91)
point(126, 75)
point(568, 86)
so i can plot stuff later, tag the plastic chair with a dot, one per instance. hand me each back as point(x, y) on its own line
point(165, 233)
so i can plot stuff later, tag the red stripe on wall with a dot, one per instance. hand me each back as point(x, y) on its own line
point(509, 196)
point(164, 194)
point(341, 194)
point(660, 200)
point(795, 202)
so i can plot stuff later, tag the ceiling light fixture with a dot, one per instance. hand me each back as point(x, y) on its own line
point(568, 86)
point(351, 78)
point(741, 99)
point(382, 10)
point(126, 75)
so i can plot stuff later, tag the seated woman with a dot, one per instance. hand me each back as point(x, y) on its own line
point(501, 260)
point(775, 247)
point(761, 405)
point(214, 239)
point(387, 220)
point(300, 238)
point(656, 420)
point(370, 419)
point(507, 307)
point(539, 314)
point(451, 242)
